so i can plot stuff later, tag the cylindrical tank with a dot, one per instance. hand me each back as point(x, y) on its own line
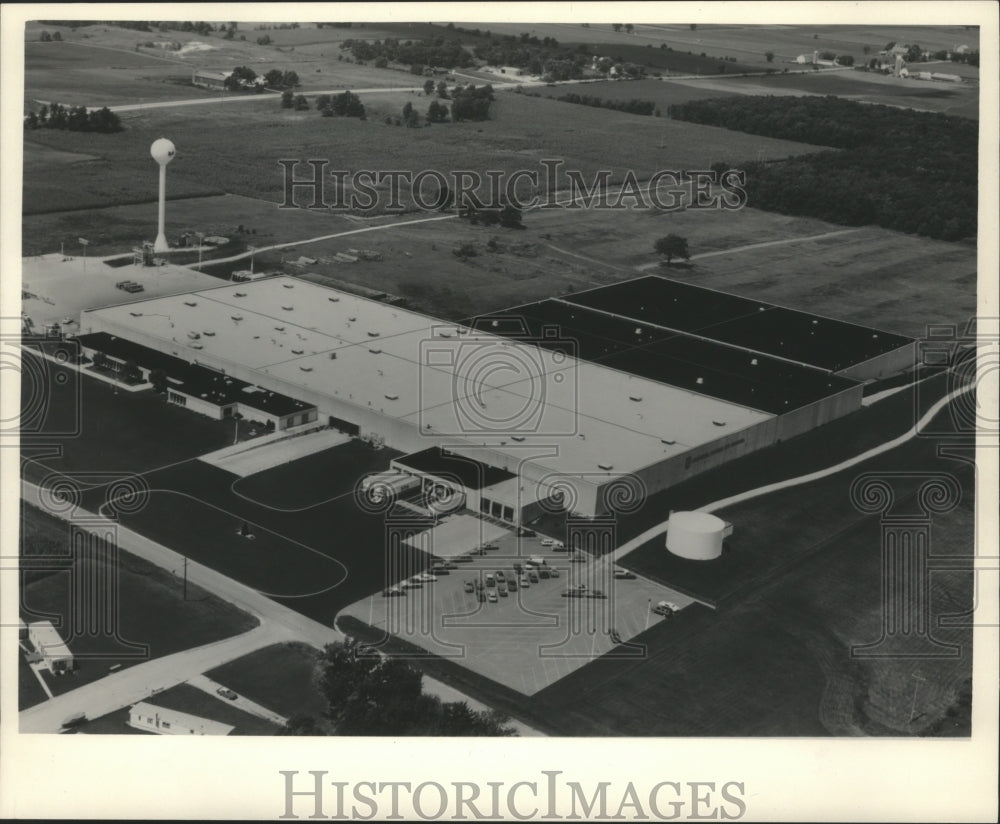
point(695, 535)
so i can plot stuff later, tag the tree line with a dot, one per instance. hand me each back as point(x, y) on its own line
point(438, 51)
point(900, 169)
point(632, 106)
point(74, 119)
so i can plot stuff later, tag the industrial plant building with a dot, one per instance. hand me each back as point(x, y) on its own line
point(550, 405)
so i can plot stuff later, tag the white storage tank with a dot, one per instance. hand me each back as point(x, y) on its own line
point(696, 535)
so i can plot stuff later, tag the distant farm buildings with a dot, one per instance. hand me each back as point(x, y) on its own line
point(209, 79)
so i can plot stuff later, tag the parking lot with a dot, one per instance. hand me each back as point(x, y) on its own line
point(522, 636)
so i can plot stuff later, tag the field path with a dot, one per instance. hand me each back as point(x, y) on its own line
point(783, 242)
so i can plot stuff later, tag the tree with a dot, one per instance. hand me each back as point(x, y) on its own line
point(348, 104)
point(240, 78)
point(437, 112)
point(287, 99)
point(301, 103)
point(275, 78)
point(769, 56)
point(45, 37)
point(290, 79)
point(428, 86)
point(442, 90)
point(629, 28)
point(616, 26)
point(914, 54)
point(672, 246)
point(56, 36)
point(410, 117)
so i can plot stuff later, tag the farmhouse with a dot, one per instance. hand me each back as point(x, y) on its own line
point(150, 718)
point(644, 383)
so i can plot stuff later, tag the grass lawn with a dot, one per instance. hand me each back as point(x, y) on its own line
point(151, 612)
point(119, 433)
point(184, 698)
point(315, 560)
point(29, 691)
point(277, 677)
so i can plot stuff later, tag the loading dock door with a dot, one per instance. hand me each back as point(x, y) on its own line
point(346, 427)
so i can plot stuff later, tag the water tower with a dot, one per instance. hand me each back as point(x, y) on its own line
point(163, 152)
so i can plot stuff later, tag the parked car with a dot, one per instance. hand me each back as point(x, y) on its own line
point(512, 584)
point(533, 577)
point(492, 596)
point(624, 574)
point(225, 692)
point(543, 572)
point(502, 590)
point(426, 577)
point(393, 592)
point(469, 587)
point(490, 580)
point(573, 593)
point(554, 572)
point(517, 569)
point(536, 560)
point(546, 542)
point(500, 575)
point(524, 581)
point(665, 608)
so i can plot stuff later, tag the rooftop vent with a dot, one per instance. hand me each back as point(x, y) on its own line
point(296, 351)
point(635, 398)
point(753, 361)
point(352, 319)
point(518, 438)
point(605, 466)
point(209, 333)
point(239, 294)
point(444, 333)
point(190, 303)
point(279, 328)
point(237, 317)
point(288, 308)
point(306, 368)
point(700, 381)
point(333, 299)
point(288, 285)
point(196, 346)
point(391, 396)
point(333, 356)
point(638, 330)
point(719, 423)
point(667, 441)
point(815, 322)
point(136, 314)
point(375, 351)
point(373, 334)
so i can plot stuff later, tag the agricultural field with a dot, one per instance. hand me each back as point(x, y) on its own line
point(236, 150)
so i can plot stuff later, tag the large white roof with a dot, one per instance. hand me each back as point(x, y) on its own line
point(444, 379)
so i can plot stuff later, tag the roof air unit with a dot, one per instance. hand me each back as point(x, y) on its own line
point(605, 466)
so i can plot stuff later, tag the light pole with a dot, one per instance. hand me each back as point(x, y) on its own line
point(84, 243)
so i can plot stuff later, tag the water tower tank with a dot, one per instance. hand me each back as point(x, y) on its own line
point(696, 535)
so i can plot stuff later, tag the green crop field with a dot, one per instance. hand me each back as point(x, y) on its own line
point(236, 150)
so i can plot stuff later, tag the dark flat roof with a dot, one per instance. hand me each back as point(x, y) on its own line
point(822, 342)
point(750, 379)
point(469, 472)
point(195, 380)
